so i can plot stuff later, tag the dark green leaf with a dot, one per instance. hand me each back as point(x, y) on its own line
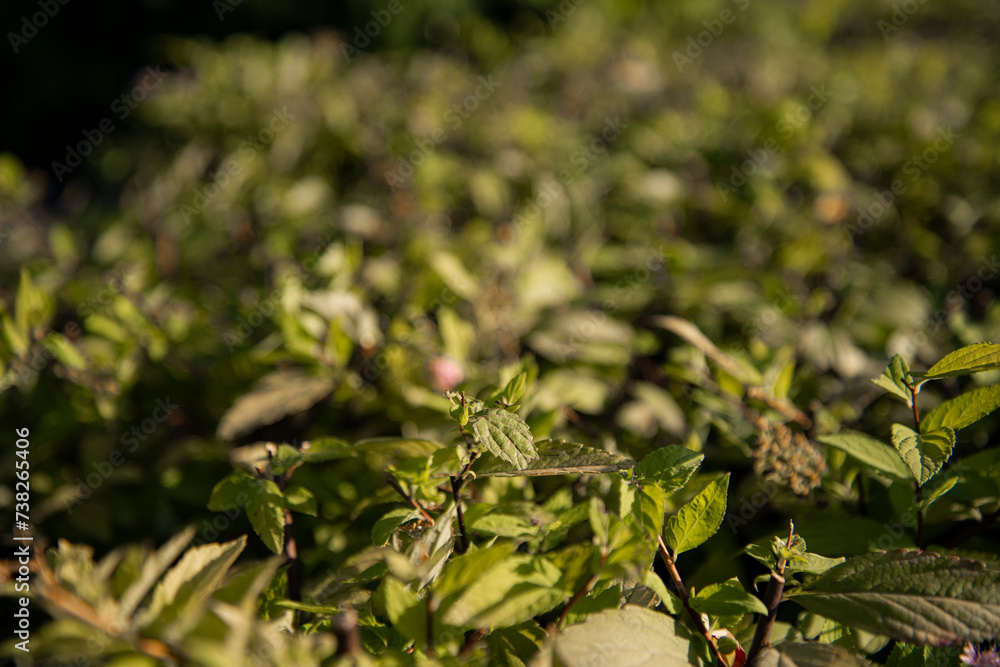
point(911, 596)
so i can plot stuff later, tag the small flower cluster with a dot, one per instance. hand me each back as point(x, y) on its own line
point(980, 658)
point(787, 457)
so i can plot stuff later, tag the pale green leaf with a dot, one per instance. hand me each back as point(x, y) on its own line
point(557, 457)
point(190, 583)
point(628, 637)
point(975, 358)
point(282, 393)
point(152, 567)
point(407, 612)
point(963, 410)
point(699, 519)
point(873, 453)
point(912, 596)
point(510, 592)
point(923, 453)
point(811, 654)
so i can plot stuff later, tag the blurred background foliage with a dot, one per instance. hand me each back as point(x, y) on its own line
point(546, 224)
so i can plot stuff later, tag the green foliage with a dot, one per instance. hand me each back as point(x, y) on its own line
point(442, 409)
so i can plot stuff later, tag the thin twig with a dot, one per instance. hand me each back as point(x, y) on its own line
point(920, 490)
point(587, 587)
point(345, 628)
point(772, 598)
point(699, 622)
point(456, 488)
point(472, 637)
point(431, 608)
point(413, 502)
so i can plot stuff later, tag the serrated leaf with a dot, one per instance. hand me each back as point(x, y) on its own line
point(727, 599)
point(505, 435)
point(699, 519)
point(152, 568)
point(912, 596)
point(557, 457)
point(801, 654)
point(873, 453)
point(923, 453)
point(628, 637)
point(963, 410)
point(263, 501)
point(975, 358)
point(190, 583)
point(906, 655)
point(670, 467)
point(894, 377)
point(275, 396)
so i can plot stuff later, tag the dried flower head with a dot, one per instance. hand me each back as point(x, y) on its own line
point(787, 457)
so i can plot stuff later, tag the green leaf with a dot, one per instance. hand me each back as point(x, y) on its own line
point(727, 599)
point(557, 457)
point(811, 654)
point(383, 529)
point(407, 612)
point(798, 559)
point(699, 519)
point(515, 646)
point(628, 637)
point(510, 592)
point(512, 391)
point(152, 567)
point(894, 378)
point(963, 410)
point(282, 393)
point(912, 596)
point(924, 454)
point(670, 467)
point(873, 453)
point(975, 358)
point(300, 499)
point(190, 583)
point(263, 501)
point(505, 435)
point(906, 655)
point(462, 570)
